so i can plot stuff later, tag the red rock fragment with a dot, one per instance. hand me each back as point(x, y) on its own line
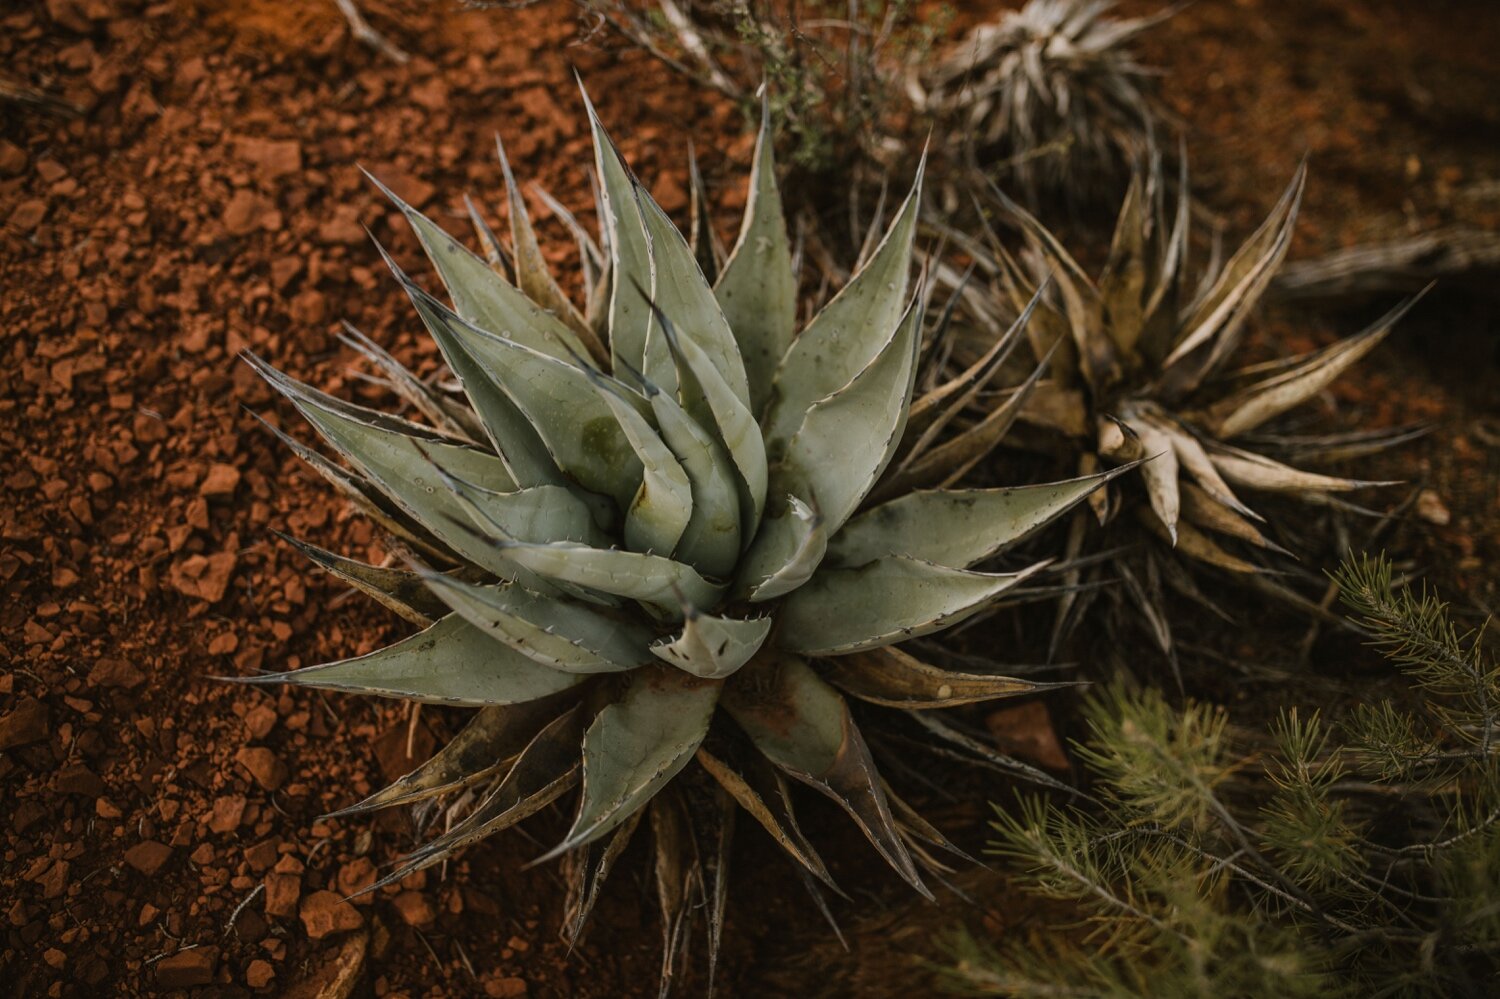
point(282, 892)
point(262, 766)
point(356, 876)
point(204, 577)
point(26, 724)
point(227, 812)
point(325, 913)
point(505, 988)
point(187, 968)
point(259, 721)
point(115, 673)
point(221, 480)
point(148, 856)
point(259, 974)
point(271, 157)
point(414, 908)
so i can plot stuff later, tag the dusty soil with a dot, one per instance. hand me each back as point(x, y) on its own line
point(159, 829)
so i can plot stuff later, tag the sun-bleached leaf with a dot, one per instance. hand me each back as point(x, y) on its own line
point(895, 679)
point(1254, 471)
point(451, 662)
point(492, 737)
point(803, 726)
point(958, 527)
point(757, 289)
point(884, 602)
point(558, 634)
point(848, 333)
point(1159, 471)
point(544, 771)
point(712, 647)
point(635, 745)
point(761, 790)
point(400, 590)
point(1254, 405)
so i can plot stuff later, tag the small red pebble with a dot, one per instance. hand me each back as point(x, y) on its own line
point(259, 974)
point(325, 913)
point(148, 856)
point(414, 908)
point(282, 892)
point(263, 766)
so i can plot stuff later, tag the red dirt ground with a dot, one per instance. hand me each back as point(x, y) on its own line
point(159, 828)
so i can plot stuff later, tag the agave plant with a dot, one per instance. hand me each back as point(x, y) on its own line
point(1051, 91)
point(643, 537)
point(1140, 368)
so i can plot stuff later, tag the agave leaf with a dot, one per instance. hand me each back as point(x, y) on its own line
point(366, 498)
point(511, 432)
point(1159, 471)
point(1245, 468)
point(494, 253)
point(678, 876)
point(894, 679)
point(958, 527)
point(1254, 405)
point(716, 875)
point(1195, 544)
point(663, 505)
point(712, 647)
point(1222, 311)
point(541, 513)
point(883, 602)
point(1205, 511)
point(580, 431)
point(595, 866)
point(758, 289)
point(980, 752)
point(787, 551)
point(1194, 459)
point(632, 267)
point(532, 273)
point(683, 294)
point(802, 725)
point(491, 739)
point(635, 745)
point(707, 249)
point(952, 460)
point(662, 582)
point(407, 468)
point(407, 385)
point(451, 662)
point(711, 540)
point(545, 770)
point(1124, 279)
point(713, 404)
point(767, 800)
point(848, 333)
point(480, 295)
point(559, 634)
point(400, 590)
point(909, 818)
point(847, 439)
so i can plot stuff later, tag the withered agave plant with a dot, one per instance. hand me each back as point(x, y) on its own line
point(644, 539)
point(1051, 92)
point(1139, 369)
